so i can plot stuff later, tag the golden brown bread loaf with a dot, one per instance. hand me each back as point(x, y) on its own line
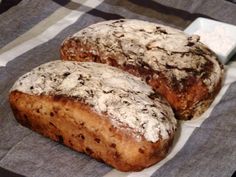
point(176, 65)
point(96, 109)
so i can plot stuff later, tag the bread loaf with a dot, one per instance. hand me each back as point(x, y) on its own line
point(176, 65)
point(96, 109)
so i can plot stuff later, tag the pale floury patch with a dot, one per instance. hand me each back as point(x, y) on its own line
point(126, 99)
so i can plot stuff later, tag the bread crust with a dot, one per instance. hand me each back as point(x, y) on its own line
point(77, 126)
point(189, 87)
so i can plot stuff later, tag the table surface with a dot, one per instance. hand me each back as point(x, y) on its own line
point(31, 33)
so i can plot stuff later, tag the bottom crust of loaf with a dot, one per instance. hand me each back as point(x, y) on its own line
point(191, 104)
point(75, 125)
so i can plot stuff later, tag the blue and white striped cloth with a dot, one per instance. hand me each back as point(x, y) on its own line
point(31, 33)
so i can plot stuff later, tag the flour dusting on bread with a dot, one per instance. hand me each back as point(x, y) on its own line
point(126, 99)
point(162, 48)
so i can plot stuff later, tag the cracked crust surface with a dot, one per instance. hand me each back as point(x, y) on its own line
point(97, 109)
point(178, 66)
point(124, 98)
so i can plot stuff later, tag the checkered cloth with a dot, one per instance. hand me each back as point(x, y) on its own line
point(31, 33)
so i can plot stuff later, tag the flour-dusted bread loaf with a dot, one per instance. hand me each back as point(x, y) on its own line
point(94, 108)
point(176, 65)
